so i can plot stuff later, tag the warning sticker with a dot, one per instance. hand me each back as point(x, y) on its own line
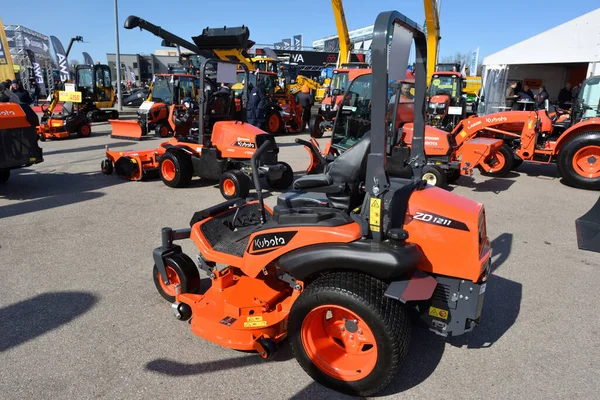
point(463, 134)
point(438, 312)
point(254, 322)
point(375, 214)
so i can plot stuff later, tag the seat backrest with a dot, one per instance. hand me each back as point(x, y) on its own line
point(350, 167)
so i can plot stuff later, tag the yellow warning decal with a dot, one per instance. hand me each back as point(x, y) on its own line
point(463, 134)
point(438, 312)
point(375, 214)
point(530, 124)
point(254, 322)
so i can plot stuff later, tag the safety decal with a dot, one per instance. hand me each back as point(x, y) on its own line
point(438, 312)
point(375, 214)
point(254, 322)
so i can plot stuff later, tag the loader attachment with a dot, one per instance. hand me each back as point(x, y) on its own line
point(477, 152)
point(126, 129)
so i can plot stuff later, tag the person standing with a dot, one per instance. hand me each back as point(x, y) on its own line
point(6, 95)
point(253, 111)
point(565, 96)
point(541, 97)
point(22, 94)
point(511, 95)
point(34, 91)
point(306, 101)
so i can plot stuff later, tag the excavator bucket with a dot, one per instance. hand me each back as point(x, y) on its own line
point(126, 129)
point(588, 229)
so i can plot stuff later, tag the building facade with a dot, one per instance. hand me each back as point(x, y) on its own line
point(139, 68)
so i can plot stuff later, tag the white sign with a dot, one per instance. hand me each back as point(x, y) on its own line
point(455, 110)
point(146, 106)
point(226, 73)
point(69, 87)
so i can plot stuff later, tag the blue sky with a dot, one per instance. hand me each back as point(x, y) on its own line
point(491, 25)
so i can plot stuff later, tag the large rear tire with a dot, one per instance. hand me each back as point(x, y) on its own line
point(84, 130)
point(579, 161)
point(505, 160)
point(180, 270)
point(176, 169)
point(347, 335)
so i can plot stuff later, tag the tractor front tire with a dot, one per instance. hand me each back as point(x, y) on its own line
point(274, 123)
point(176, 169)
point(506, 160)
point(286, 180)
point(347, 335)
point(84, 130)
point(180, 270)
point(435, 176)
point(161, 130)
point(314, 126)
point(234, 184)
point(579, 161)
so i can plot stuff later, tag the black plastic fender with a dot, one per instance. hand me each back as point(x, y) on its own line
point(160, 254)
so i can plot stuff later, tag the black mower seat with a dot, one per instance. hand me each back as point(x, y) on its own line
point(297, 199)
point(342, 178)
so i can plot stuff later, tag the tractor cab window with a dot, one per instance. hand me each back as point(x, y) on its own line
point(270, 83)
point(238, 87)
point(588, 99)
point(186, 88)
point(354, 115)
point(103, 82)
point(443, 85)
point(85, 81)
point(339, 82)
point(161, 90)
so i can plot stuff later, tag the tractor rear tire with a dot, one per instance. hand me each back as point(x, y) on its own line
point(348, 310)
point(506, 158)
point(274, 123)
point(579, 161)
point(286, 180)
point(180, 269)
point(176, 169)
point(4, 175)
point(435, 176)
point(234, 184)
point(314, 126)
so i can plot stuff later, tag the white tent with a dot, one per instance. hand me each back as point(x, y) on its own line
point(569, 52)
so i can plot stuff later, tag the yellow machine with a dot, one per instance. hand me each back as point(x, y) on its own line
point(343, 35)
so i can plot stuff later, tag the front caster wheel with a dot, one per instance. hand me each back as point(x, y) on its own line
point(182, 311)
point(269, 348)
point(107, 167)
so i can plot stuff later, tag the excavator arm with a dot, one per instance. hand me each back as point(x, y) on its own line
point(432, 23)
point(342, 30)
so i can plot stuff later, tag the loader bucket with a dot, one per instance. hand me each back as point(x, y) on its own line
point(588, 229)
point(126, 129)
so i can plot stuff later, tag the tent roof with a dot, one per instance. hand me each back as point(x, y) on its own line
point(575, 41)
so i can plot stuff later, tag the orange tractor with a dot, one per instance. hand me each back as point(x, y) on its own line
point(448, 157)
point(338, 264)
point(156, 113)
point(446, 105)
point(572, 143)
point(216, 146)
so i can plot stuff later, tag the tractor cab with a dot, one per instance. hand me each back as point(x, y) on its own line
point(269, 80)
point(172, 88)
point(587, 103)
point(95, 84)
point(445, 102)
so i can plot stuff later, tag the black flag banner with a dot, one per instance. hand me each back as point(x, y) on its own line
point(37, 71)
point(87, 59)
point(61, 59)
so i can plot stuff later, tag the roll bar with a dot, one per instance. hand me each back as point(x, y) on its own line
point(377, 180)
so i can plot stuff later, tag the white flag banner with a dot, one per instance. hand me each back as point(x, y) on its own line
point(474, 60)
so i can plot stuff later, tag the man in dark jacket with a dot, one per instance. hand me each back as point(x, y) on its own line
point(541, 97)
point(306, 101)
point(257, 95)
point(511, 95)
point(565, 96)
point(21, 93)
point(34, 91)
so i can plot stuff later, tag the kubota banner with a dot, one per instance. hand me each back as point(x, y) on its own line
point(87, 59)
point(37, 71)
point(6, 66)
point(61, 59)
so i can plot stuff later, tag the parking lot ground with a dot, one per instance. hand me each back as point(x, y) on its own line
point(80, 317)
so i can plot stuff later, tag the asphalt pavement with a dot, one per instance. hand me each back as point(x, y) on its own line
point(80, 316)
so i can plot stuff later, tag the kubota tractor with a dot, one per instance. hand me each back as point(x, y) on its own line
point(572, 143)
point(341, 263)
point(446, 105)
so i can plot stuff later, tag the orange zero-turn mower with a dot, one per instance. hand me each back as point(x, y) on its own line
point(220, 149)
point(64, 124)
point(156, 113)
point(340, 262)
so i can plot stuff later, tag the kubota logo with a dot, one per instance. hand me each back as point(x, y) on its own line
point(7, 113)
point(494, 120)
point(270, 241)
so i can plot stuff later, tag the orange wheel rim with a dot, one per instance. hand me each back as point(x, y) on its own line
point(229, 187)
point(164, 131)
point(173, 280)
point(339, 343)
point(586, 162)
point(85, 130)
point(501, 161)
point(273, 123)
point(168, 170)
